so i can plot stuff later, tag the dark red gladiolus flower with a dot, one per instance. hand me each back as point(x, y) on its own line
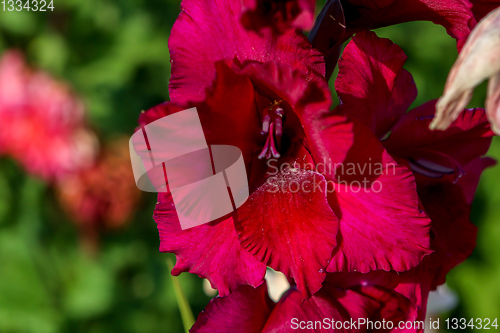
point(280, 15)
point(43, 121)
point(376, 296)
point(267, 96)
point(103, 196)
point(214, 250)
point(352, 16)
point(344, 298)
point(374, 87)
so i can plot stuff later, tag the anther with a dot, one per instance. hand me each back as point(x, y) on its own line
point(265, 124)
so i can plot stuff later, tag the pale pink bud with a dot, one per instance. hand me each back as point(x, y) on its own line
point(478, 61)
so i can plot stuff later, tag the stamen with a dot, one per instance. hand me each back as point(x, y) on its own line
point(272, 145)
point(265, 149)
point(265, 124)
point(279, 111)
point(278, 123)
point(272, 124)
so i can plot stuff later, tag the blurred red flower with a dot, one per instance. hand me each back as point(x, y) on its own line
point(102, 196)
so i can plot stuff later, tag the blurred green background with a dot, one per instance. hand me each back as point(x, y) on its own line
point(115, 55)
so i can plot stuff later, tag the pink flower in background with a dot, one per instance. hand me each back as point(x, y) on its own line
point(267, 96)
point(278, 14)
point(43, 124)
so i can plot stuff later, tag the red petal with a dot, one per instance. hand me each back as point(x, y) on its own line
point(372, 83)
point(288, 225)
point(245, 310)
point(473, 172)
point(455, 15)
point(328, 32)
point(381, 225)
point(331, 137)
point(453, 235)
point(196, 45)
point(210, 250)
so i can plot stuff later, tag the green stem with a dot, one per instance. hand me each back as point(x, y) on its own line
point(186, 313)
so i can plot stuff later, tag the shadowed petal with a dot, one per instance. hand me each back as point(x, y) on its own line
point(466, 139)
point(279, 15)
point(481, 8)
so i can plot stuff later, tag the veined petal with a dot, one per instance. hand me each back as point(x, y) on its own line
point(375, 198)
point(210, 250)
point(306, 94)
point(453, 235)
point(470, 180)
point(288, 225)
